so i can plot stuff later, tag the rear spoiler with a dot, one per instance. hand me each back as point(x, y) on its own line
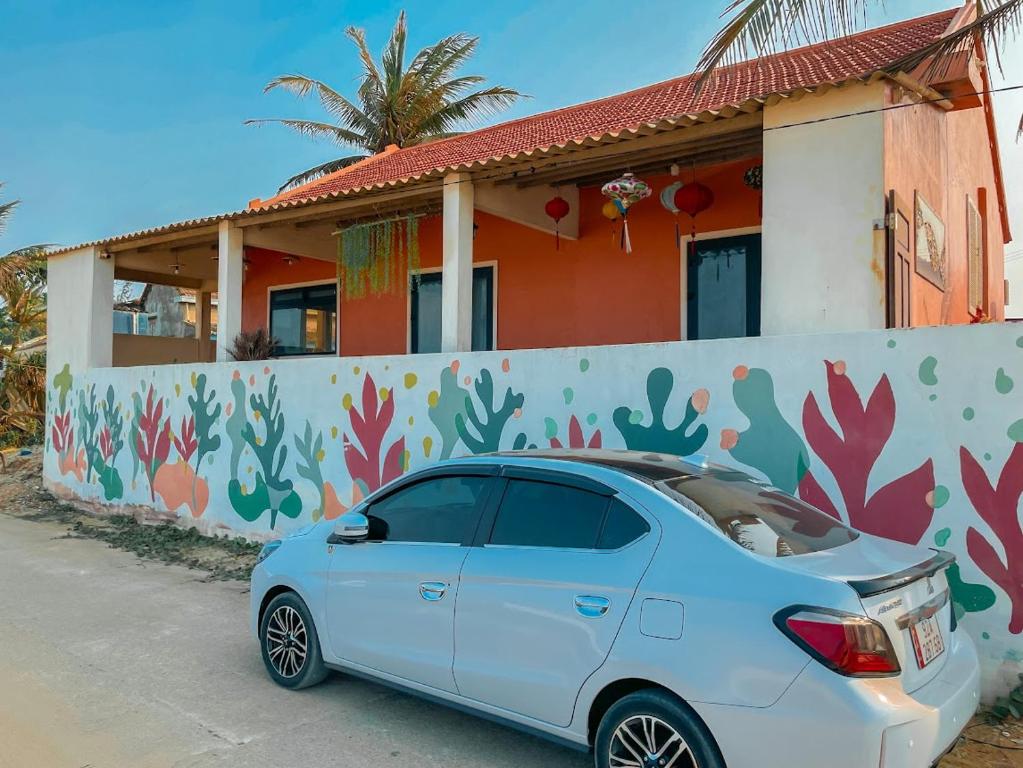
point(870, 587)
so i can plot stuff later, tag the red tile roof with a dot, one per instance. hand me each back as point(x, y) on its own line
point(856, 56)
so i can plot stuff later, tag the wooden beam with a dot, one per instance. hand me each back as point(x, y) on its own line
point(621, 146)
point(698, 160)
point(158, 278)
point(366, 201)
point(678, 153)
point(199, 232)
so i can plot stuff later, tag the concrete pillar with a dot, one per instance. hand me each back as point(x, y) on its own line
point(203, 313)
point(456, 285)
point(230, 270)
point(823, 260)
point(80, 310)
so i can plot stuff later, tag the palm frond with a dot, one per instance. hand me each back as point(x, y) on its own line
point(333, 102)
point(760, 28)
point(321, 170)
point(6, 209)
point(315, 130)
point(470, 109)
point(997, 21)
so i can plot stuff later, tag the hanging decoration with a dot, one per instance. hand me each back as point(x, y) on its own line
point(693, 199)
point(668, 201)
point(610, 212)
point(557, 208)
point(625, 192)
point(377, 257)
point(754, 179)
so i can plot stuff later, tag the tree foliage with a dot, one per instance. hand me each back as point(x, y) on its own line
point(396, 103)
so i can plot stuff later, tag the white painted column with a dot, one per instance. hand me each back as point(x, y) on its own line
point(80, 310)
point(456, 285)
point(823, 262)
point(230, 271)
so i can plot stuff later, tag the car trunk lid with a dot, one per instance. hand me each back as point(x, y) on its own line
point(902, 587)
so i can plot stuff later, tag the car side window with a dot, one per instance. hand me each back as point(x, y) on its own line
point(439, 510)
point(622, 526)
point(540, 514)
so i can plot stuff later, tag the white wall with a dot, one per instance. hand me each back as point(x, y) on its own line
point(929, 415)
point(80, 309)
point(823, 263)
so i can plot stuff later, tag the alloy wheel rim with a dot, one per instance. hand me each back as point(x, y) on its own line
point(645, 741)
point(286, 641)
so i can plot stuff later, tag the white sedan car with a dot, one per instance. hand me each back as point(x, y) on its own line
point(661, 613)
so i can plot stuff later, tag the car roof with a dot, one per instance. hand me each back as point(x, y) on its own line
point(645, 465)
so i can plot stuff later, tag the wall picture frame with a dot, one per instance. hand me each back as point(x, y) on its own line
point(931, 258)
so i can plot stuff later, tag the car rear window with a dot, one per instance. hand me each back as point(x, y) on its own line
point(756, 516)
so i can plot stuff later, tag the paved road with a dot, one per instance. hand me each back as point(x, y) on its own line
point(109, 661)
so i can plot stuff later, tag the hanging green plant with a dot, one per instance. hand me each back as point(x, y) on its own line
point(378, 257)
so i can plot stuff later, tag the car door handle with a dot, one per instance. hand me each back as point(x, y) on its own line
point(432, 590)
point(591, 606)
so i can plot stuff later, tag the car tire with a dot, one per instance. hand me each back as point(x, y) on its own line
point(669, 719)
point(289, 643)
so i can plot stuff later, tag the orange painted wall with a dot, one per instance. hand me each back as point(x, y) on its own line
point(945, 156)
point(588, 292)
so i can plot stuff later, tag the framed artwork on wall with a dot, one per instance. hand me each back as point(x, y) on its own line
point(931, 259)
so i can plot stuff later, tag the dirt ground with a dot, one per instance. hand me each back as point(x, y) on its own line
point(21, 496)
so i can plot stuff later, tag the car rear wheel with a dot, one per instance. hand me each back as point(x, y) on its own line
point(653, 729)
point(290, 647)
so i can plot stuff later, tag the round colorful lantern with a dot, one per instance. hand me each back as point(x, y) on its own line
point(668, 201)
point(625, 192)
point(557, 208)
point(610, 211)
point(693, 199)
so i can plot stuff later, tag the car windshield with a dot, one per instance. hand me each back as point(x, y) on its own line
point(757, 516)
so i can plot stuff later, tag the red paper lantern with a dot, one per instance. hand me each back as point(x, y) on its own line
point(557, 208)
point(694, 198)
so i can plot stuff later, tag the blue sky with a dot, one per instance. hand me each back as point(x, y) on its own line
point(123, 115)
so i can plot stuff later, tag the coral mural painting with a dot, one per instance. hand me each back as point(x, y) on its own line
point(871, 427)
point(902, 509)
point(998, 506)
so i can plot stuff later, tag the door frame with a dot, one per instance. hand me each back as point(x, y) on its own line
point(754, 281)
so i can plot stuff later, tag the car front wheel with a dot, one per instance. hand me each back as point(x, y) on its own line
point(290, 647)
point(653, 729)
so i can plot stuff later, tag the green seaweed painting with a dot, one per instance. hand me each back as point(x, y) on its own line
point(310, 450)
point(271, 492)
point(111, 442)
point(770, 443)
point(657, 436)
point(487, 437)
point(88, 429)
point(446, 405)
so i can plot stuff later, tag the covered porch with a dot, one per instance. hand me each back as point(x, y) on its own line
point(490, 272)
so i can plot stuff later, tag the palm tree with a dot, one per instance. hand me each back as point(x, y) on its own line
point(761, 27)
point(28, 262)
point(395, 104)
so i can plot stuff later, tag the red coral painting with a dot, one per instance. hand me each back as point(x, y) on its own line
point(365, 466)
point(900, 510)
point(998, 506)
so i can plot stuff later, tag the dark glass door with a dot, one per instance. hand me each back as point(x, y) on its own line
point(723, 288)
point(425, 311)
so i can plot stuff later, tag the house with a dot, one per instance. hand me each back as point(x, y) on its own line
point(844, 198)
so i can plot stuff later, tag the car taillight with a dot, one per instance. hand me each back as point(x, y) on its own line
point(851, 645)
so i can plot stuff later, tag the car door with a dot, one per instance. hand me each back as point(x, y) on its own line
point(541, 602)
point(391, 598)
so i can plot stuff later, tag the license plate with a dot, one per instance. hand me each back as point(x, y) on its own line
point(927, 642)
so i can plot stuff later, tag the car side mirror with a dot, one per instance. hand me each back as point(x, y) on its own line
point(351, 527)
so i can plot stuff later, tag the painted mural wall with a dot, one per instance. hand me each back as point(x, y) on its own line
point(913, 435)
